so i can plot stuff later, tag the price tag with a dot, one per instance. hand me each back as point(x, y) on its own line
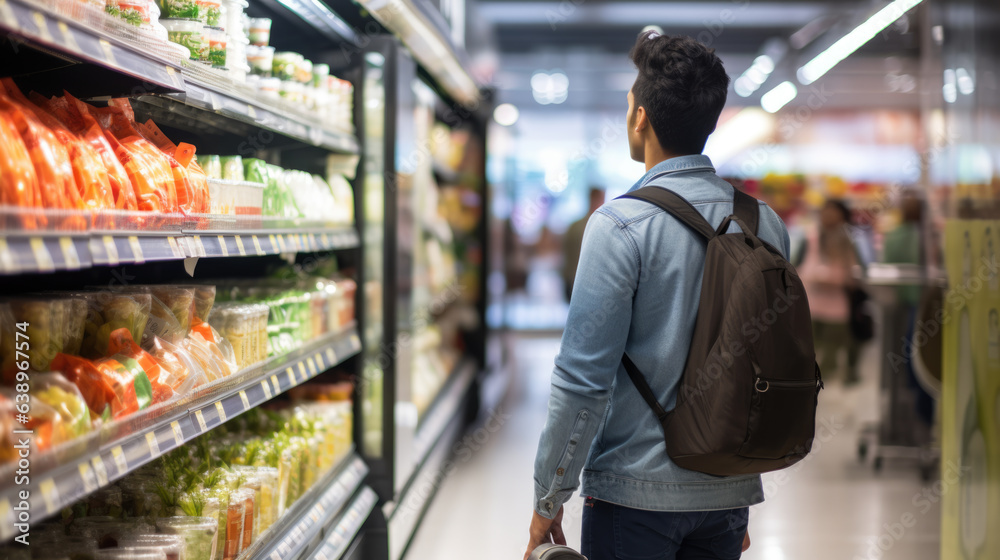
point(274, 243)
point(175, 248)
point(312, 366)
point(171, 72)
point(154, 446)
point(67, 35)
point(302, 371)
point(225, 248)
point(291, 375)
point(221, 410)
point(252, 112)
point(246, 401)
point(277, 386)
point(42, 257)
point(119, 456)
point(50, 494)
point(7, 262)
point(7, 15)
point(267, 390)
point(87, 476)
point(355, 341)
point(331, 356)
point(6, 513)
point(319, 362)
point(239, 245)
point(256, 245)
point(281, 243)
point(199, 247)
point(275, 555)
point(43, 28)
point(70, 256)
point(109, 52)
point(136, 247)
point(100, 471)
point(175, 426)
point(201, 420)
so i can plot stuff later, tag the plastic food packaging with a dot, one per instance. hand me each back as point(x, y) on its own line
point(284, 65)
point(179, 9)
point(199, 534)
point(260, 32)
point(211, 165)
point(270, 87)
point(261, 59)
point(232, 168)
point(73, 548)
point(59, 413)
point(190, 180)
point(210, 12)
point(107, 531)
point(187, 33)
point(131, 554)
point(109, 311)
point(217, 41)
point(179, 369)
point(140, 13)
point(18, 181)
point(173, 546)
point(171, 313)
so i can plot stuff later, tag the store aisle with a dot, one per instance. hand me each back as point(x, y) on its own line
point(830, 507)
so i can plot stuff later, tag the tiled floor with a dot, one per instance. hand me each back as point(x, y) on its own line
point(830, 507)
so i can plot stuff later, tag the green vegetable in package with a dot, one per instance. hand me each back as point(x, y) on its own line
point(181, 9)
point(111, 311)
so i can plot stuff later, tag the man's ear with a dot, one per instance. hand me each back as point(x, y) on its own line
point(641, 122)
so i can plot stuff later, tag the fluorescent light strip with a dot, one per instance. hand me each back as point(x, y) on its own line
point(824, 61)
point(778, 97)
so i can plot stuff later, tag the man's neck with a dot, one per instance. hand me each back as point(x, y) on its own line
point(656, 155)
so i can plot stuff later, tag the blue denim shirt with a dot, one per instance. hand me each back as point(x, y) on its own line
point(637, 290)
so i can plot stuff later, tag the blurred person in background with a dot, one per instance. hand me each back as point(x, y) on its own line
point(904, 245)
point(573, 240)
point(827, 271)
point(637, 290)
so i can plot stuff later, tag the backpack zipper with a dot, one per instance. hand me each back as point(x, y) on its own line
point(768, 383)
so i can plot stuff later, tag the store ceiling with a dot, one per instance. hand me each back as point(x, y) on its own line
point(589, 40)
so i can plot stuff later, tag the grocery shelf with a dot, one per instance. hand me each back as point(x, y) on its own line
point(347, 527)
point(64, 475)
point(41, 24)
point(300, 526)
point(48, 251)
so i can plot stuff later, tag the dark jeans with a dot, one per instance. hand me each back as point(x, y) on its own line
point(612, 532)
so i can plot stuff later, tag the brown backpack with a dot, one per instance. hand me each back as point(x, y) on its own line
point(747, 398)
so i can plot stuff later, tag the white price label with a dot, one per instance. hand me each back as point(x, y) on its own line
point(246, 401)
point(70, 256)
point(175, 426)
point(222, 244)
point(199, 247)
point(221, 411)
point(312, 366)
point(100, 471)
point(267, 390)
point(154, 446)
point(175, 248)
point(291, 375)
point(239, 245)
point(256, 245)
point(277, 386)
point(201, 420)
point(42, 25)
point(42, 257)
point(281, 243)
point(7, 262)
point(87, 476)
point(50, 494)
point(7, 15)
point(326, 240)
point(274, 243)
point(331, 356)
point(109, 52)
point(119, 457)
point(110, 250)
point(136, 247)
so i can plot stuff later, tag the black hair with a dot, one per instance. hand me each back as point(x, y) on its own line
point(682, 85)
point(841, 207)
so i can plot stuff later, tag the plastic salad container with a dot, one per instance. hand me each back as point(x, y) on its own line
point(199, 534)
point(172, 545)
point(261, 59)
point(187, 33)
point(260, 31)
point(216, 46)
point(130, 554)
point(182, 9)
point(210, 12)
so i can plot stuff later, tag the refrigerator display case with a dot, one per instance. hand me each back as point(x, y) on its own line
point(424, 183)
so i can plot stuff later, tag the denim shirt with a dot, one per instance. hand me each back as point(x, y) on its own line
point(637, 290)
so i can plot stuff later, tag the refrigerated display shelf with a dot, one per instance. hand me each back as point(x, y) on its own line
point(347, 527)
point(51, 251)
point(304, 522)
point(38, 24)
point(67, 479)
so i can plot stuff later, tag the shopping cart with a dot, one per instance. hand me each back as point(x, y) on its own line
point(899, 433)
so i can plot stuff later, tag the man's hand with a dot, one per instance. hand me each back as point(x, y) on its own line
point(746, 541)
point(544, 530)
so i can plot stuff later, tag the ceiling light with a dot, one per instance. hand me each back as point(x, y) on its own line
point(506, 114)
point(744, 87)
point(964, 82)
point(550, 88)
point(824, 61)
point(764, 63)
point(778, 97)
point(950, 88)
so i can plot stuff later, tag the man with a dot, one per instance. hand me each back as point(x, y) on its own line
point(637, 290)
point(573, 241)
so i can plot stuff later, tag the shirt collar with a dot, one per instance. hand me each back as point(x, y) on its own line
point(698, 162)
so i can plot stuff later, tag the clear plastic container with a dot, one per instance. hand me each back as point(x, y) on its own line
point(260, 32)
point(270, 87)
point(292, 91)
point(285, 65)
point(261, 59)
point(188, 33)
point(320, 73)
point(130, 554)
point(217, 41)
point(210, 12)
point(173, 546)
point(199, 534)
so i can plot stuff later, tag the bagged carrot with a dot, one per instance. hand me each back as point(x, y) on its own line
point(18, 183)
point(76, 116)
point(196, 200)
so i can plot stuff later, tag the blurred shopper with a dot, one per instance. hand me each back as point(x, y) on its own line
point(637, 289)
point(573, 241)
point(903, 245)
point(827, 270)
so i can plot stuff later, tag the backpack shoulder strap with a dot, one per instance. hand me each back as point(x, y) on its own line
point(643, 387)
point(746, 208)
point(674, 204)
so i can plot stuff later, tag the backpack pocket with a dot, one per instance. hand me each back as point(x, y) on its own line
point(782, 418)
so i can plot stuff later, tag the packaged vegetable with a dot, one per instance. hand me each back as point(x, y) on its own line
point(63, 400)
point(232, 168)
point(109, 311)
point(210, 12)
point(18, 181)
point(212, 166)
point(179, 9)
point(46, 329)
point(172, 545)
point(179, 370)
point(75, 114)
point(186, 33)
point(194, 198)
point(199, 534)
